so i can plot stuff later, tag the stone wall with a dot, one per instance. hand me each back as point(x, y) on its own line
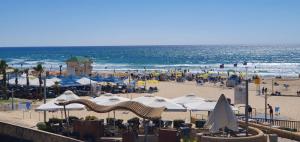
point(28, 134)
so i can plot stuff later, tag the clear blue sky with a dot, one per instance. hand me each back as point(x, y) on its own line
point(143, 22)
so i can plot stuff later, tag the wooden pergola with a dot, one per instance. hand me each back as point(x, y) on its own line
point(137, 108)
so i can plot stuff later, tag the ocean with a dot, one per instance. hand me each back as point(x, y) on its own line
point(264, 60)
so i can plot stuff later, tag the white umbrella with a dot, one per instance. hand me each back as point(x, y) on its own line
point(155, 101)
point(85, 81)
point(201, 106)
point(189, 98)
point(34, 81)
point(21, 81)
point(66, 96)
point(222, 117)
point(204, 106)
point(109, 99)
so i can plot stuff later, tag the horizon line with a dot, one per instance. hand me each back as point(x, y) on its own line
point(137, 45)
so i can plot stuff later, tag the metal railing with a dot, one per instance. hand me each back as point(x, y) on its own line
point(281, 123)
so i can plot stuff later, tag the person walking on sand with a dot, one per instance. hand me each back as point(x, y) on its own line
point(270, 111)
point(266, 90)
point(263, 90)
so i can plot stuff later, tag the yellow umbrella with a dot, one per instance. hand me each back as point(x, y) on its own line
point(152, 82)
point(140, 83)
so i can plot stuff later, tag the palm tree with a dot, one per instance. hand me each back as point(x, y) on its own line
point(16, 71)
point(27, 76)
point(39, 69)
point(3, 67)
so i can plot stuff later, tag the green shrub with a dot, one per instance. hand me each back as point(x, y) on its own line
point(55, 120)
point(89, 117)
point(42, 126)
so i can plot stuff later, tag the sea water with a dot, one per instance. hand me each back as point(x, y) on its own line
point(266, 60)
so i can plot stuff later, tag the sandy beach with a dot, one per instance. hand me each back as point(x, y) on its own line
point(288, 104)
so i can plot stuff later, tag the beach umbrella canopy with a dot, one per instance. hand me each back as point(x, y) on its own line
point(66, 96)
point(201, 106)
point(189, 98)
point(97, 78)
point(222, 117)
point(111, 79)
point(85, 81)
point(33, 81)
point(21, 81)
point(156, 101)
point(109, 99)
point(69, 81)
point(204, 106)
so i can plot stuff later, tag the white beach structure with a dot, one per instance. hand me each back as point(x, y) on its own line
point(66, 96)
point(222, 117)
point(156, 101)
point(109, 99)
point(34, 81)
point(85, 81)
point(189, 98)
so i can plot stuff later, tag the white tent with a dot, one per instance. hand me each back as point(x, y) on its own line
point(189, 98)
point(204, 106)
point(201, 106)
point(85, 81)
point(222, 117)
point(21, 81)
point(109, 99)
point(155, 101)
point(33, 81)
point(66, 96)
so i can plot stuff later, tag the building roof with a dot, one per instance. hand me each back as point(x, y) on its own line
point(79, 59)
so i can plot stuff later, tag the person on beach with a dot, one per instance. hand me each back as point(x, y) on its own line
point(263, 90)
point(270, 111)
point(266, 90)
point(250, 111)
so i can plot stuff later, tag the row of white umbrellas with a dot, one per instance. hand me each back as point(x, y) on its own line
point(34, 81)
point(66, 96)
point(222, 113)
point(190, 102)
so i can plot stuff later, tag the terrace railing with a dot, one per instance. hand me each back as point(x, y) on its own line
point(284, 124)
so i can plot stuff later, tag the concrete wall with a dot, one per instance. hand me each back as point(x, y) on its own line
point(28, 134)
point(257, 137)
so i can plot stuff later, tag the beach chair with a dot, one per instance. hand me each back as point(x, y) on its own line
point(28, 105)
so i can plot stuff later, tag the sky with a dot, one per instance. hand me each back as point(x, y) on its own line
point(148, 22)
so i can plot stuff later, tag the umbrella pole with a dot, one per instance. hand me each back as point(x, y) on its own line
point(66, 116)
point(190, 116)
point(145, 130)
point(114, 119)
